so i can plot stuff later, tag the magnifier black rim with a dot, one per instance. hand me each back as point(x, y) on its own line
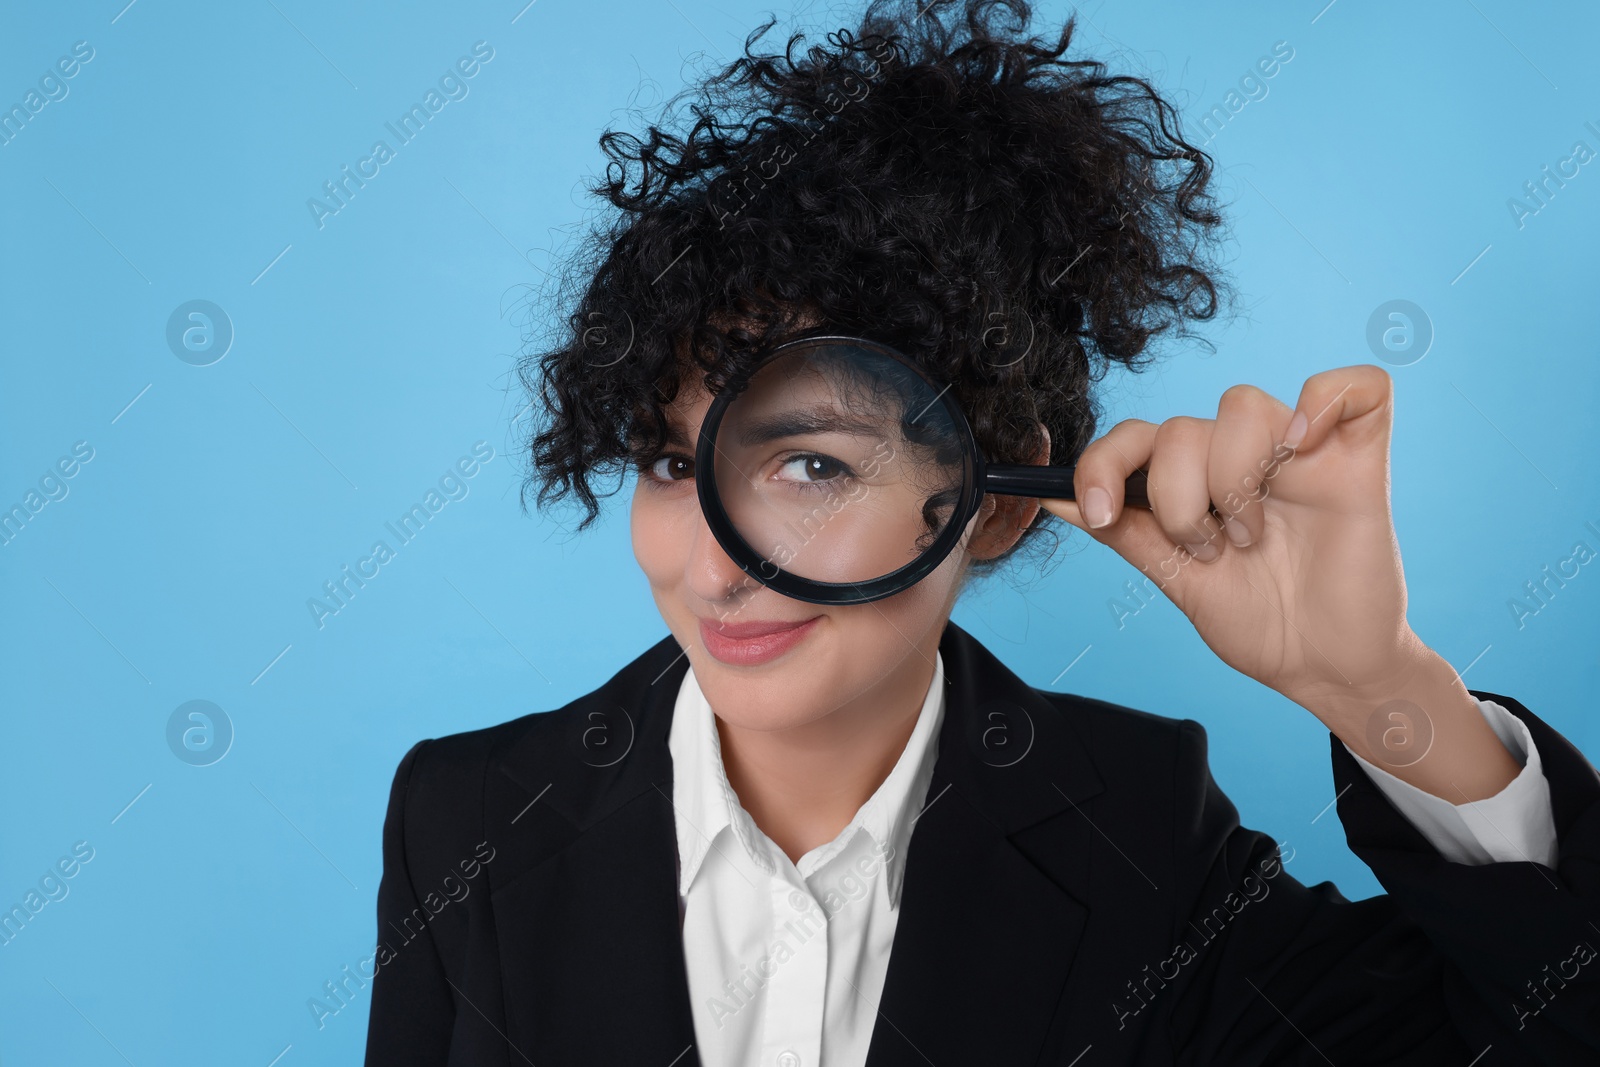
point(793, 585)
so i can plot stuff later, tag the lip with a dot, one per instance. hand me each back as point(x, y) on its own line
point(746, 644)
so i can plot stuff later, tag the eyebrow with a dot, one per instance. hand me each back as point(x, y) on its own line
point(796, 423)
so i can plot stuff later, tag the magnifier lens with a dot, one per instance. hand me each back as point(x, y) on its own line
point(838, 464)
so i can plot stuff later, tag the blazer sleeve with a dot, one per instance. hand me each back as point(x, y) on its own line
point(412, 1009)
point(1455, 959)
point(1514, 824)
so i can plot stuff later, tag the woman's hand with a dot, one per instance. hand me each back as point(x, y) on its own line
point(1270, 528)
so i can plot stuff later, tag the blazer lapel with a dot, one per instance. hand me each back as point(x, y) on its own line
point(986, 939)
point(585, 898)
point(587, 906)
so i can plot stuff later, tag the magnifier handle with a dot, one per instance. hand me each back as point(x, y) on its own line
point(1052, 483)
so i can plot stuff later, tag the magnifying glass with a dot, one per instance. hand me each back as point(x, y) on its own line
point(835, 471)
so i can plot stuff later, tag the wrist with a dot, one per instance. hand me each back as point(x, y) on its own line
point(1417, 721)
point(1413, 671)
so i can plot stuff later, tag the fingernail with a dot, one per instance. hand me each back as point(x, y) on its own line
point(1297, 430)
point(1097, 507)
point(1205, 551)
point(1237, 532)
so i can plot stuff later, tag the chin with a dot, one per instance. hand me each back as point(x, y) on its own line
point(791, 690)
point(781, 700)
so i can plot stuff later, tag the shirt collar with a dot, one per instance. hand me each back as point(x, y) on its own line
point(704, 804)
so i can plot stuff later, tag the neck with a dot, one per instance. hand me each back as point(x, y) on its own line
point(804, 785)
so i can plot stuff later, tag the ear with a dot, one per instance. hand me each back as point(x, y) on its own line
point(1001, 519)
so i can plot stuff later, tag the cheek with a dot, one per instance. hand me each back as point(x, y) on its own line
point(929, 599)
point(643, 520)
point(660, 536)
point(894, 624)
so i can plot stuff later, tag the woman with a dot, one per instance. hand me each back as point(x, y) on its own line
point(796, 834)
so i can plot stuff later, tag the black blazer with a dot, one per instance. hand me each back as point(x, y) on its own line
point(528, 911)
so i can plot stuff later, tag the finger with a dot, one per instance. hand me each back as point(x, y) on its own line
point(1343, 396)
point(1099, 482)
point(1180, 492)
point(1241, 462)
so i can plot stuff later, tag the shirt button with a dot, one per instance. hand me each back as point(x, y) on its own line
point(800, 902)
point(788, 1058)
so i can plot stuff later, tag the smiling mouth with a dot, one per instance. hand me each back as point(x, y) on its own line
point(750, 643)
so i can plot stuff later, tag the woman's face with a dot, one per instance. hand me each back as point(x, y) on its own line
point(764, 660)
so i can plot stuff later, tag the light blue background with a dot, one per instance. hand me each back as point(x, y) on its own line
point(373, 352)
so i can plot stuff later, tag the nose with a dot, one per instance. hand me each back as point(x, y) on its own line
point(712, 574)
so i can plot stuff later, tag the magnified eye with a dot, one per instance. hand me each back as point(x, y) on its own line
point(672, 468)
point(811, 467)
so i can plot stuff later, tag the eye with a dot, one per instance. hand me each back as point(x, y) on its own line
point(671, 468)
point(811, 467)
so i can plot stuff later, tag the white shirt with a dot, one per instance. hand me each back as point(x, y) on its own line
point(786, 962)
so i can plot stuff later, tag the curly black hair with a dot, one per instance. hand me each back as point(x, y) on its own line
point(1014, 221)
